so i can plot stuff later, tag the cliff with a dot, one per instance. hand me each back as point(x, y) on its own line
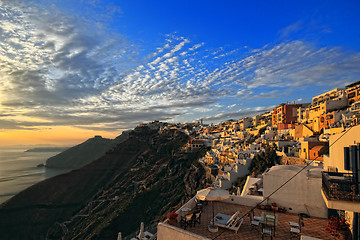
point(84, 153)
point(141, 179)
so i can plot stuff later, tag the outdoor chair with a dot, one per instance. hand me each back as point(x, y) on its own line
point(255, 223)
point(266, 231)
point(270, 221)
point(186, 221)
point(295, 228)
point(196, 217)
point(295, 232)
point(183, 222)
point(189, 220)
point(268, 226)
point(199, 206)
point(294, 225)
point(256, 218)
point(229, 222)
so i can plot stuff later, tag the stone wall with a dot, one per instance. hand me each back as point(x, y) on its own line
point(292, 161)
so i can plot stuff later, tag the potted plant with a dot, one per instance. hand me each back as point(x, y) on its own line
point(274, 207)
point(338, 227)
point(172, 218)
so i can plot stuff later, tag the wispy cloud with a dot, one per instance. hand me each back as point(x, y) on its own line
point(307, 28)
point(292, 28)
point(237, 114)
point(55, 69)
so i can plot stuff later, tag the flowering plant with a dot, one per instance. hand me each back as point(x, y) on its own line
point(335, 225)
point(173, 215)
point(274, 204)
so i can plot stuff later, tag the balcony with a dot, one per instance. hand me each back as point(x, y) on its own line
point(340, 191)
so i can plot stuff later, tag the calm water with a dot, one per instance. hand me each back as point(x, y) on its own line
point(18, 170)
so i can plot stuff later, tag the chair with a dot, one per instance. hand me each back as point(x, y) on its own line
point(256, 218)
point(266, 231)
point(294, 225)
point(229, 222)
point(196, 217)
point(295, 232)
point(295, 228)
point(255, 224)
point(270, 220)
point(199, 206)
point(268, 228)
point(189, 220)
point(183, 222)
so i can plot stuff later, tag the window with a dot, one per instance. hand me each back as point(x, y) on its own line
point(332, 169)
point(351, 94)
point(328, 117)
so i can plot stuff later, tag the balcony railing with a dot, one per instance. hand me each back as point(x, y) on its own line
point(340, 186)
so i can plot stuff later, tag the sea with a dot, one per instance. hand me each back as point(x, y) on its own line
point(19, 170)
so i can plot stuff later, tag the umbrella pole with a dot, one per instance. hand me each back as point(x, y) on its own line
point(213, 219)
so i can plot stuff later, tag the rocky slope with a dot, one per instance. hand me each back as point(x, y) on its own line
point(141, 179)
point(84, 153)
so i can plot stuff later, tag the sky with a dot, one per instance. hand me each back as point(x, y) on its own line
point(73, 69)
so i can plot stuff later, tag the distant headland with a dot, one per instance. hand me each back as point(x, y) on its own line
point(47, 149)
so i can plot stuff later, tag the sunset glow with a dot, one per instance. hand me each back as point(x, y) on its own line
point(59, 136)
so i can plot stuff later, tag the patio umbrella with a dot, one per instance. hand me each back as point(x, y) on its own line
point(212, 194)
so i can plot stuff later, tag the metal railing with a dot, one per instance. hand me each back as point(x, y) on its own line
point(340, 186)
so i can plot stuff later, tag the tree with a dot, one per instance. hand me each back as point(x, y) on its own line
point(264, 160)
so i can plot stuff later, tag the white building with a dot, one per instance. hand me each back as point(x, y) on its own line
point(301, 195)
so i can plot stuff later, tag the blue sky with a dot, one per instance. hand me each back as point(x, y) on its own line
point(109, 65)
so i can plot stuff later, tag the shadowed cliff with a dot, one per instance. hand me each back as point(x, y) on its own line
point(138, 180)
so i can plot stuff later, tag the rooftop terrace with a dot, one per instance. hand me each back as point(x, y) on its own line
point(313, 227)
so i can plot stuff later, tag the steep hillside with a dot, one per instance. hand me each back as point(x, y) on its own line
point(84, 153)
point(140, 179)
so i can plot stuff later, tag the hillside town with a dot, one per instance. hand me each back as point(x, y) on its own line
point(313, 136)
point(299, 132)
